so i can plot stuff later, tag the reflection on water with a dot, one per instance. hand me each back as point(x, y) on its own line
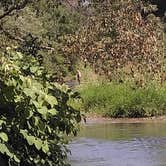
point(137, 144)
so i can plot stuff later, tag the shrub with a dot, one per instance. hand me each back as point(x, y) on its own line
point(124, 100)
point(34, 114)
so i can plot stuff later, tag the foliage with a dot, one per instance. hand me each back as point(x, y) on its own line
point(38, 30)
point(120, 42)
point(34, 113)
point(123, 100)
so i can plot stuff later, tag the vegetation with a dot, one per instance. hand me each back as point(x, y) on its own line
point(34, 114)
point(42, 42)
point(38, 28)
point(125, 42)
point(122, 42)
point(122, 100)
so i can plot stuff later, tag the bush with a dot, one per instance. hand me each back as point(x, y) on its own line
point(124, 100)
point(34, 114)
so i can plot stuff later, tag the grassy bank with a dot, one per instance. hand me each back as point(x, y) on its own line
point(122, 100)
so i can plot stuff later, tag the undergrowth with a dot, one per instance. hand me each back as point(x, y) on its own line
point(122, 100)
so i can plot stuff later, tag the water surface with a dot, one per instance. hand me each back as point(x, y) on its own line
point(120, 144)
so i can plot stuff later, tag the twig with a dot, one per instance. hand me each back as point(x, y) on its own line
point(19, 39)
point(15, 7)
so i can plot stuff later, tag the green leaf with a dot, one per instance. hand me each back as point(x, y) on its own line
point(4, 136)
point(2, 122)
point(19, 54)
point(4, 150)
point(35, 120)
point(38, 144)
point(37, 86)
point(51, 100)
point(52, 111)
point(33, 69)
point(41, 125)
point(45, 147)
point(49, 129)
point(16, 159)
point(29, 92)
point(30, 139)
point(36, 104)
point(24, 132)
point(42, 111)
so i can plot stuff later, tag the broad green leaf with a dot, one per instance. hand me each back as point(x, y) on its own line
point(41, 125)
point(4, 150)
point(24, 132)
point(37, 86)
point(38, 144)
point(51, 100)
point(52, 111)
point(4, 136)
point(45, 147)
point(43, 110)
point(29, 93)
point(41, 99)
point(37, 104)
point(30, 139)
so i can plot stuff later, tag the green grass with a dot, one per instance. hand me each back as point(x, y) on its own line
point(122, 100)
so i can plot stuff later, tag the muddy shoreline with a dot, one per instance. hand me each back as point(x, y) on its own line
point(100, 119)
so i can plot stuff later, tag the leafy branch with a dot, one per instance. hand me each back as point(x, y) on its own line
point(17, 6)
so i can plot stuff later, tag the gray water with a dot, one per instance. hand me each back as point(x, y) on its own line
point(122, 144)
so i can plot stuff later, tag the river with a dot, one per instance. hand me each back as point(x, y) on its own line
point(120, 144)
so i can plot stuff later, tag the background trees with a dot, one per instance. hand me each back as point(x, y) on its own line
point(38, 30)
point(123, 40)
point(42, 42)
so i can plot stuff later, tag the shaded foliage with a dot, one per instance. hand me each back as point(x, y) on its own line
point(38, 29)
point(34, 114)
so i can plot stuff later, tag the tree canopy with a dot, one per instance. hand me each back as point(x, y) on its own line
point(43, 41)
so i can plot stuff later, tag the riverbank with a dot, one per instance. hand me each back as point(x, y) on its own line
point(91, 118)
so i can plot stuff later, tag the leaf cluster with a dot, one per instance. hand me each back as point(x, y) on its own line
point(34, 113)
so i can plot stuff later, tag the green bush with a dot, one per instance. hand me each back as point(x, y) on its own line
point(34, 114)
point(124, 100)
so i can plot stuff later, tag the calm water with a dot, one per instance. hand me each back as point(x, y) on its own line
point(133, 144)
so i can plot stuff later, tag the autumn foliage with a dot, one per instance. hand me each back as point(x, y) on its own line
point(120, 41)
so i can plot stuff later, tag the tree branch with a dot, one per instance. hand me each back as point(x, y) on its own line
point(19, 39)
point(19, 6)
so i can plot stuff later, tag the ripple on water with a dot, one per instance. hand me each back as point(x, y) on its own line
point(140, 150)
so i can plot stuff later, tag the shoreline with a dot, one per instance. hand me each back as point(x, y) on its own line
point(100, 119)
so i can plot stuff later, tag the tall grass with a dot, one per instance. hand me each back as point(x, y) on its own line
point(123, 100)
